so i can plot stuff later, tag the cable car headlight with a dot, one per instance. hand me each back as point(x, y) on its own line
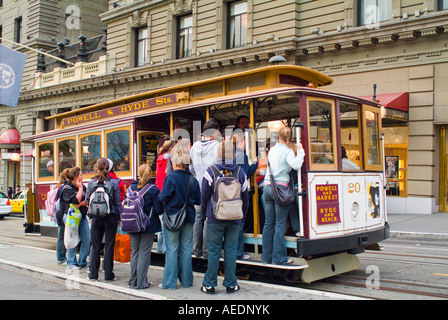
point(355, 210)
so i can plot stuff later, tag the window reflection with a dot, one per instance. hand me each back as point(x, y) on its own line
point(372, 139)
point(90, 152)
point(118, 149)
point(66, 150)
point(321, 132)
point(45, 165)
point(350, 136)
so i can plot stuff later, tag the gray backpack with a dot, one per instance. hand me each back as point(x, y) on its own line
point(226, 200)
point(99, 204)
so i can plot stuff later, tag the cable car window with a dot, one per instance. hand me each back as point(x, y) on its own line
point(321, 132)
point(90, 152)
point(118, 149)
point(45, 162)
point(350, 136)
point(66, 154)
point(372, 129)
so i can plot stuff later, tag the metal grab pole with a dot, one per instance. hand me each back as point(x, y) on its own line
point(299, 126)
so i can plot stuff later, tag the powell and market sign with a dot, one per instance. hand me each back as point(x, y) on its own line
point(121, 110)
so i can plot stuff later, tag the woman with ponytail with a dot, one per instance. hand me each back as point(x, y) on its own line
point(141, 242)
point(282, 157)
point(104, 225)
point(74, 192)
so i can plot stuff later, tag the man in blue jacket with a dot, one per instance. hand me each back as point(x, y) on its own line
point(217, 229)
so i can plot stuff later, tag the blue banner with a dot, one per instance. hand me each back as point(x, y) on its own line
point(12, 64)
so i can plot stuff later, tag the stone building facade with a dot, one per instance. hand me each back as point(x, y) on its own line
point(399, 46)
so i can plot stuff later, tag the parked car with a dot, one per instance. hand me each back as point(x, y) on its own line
point(18, 201)
point(5, 208)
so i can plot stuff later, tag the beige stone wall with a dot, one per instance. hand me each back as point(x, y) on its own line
point(406, 54)
point(421, 83)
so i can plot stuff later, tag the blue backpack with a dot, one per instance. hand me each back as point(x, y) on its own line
point(133, 218)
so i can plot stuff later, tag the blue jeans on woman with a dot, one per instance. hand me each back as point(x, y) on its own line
point(61, 252)
point(84, 234)
point(178, 261)
point(274, 246)
point(215, 233)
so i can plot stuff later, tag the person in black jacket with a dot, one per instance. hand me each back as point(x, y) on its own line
point(73, 192)
point(179, 243)
point(61, 252)
point(104, 225)
point(141, 242)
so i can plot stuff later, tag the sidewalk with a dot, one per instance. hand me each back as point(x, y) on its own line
point(42, 263)
point(419, 226)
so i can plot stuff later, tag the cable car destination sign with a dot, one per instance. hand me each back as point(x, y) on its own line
point(327, 201)
point(121, 110)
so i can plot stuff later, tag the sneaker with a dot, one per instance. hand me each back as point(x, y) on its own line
point(148, 285)
point(233, 289)
point(73, 267)
point(115, 278)
point(208, 290)
point(244, 257)
point(93, 280)
point(63, 261)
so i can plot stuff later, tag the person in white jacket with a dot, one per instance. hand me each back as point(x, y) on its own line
point(282, 157)
point(203, 155)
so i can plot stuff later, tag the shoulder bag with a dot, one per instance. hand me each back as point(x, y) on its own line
point(176, 221)
point(283, 195)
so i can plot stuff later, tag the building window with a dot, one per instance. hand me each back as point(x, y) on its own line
point(396, 160)
point(237, 24)
point(141, 44)
point(443, 4)
point(18, 30)
point(371, 12)
point(184, 36)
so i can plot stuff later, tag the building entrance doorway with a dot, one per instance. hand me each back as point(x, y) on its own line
point(443, 207)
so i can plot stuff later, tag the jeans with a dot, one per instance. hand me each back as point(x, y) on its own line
point(103, 226)
point(161, 247)
point(199, 234)
point(141, 245)
point(240, 247)
point(216, 232)
point(84, 234)
point(178, 260)
point(274, 246)
point(61, 252)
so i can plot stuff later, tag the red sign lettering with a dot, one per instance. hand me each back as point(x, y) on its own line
point(121, 110)
point(327, 201)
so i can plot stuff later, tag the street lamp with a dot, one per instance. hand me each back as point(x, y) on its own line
point(15, 158)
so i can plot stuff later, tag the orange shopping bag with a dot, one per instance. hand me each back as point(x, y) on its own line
point(122, 249)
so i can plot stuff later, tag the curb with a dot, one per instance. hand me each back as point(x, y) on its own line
point(74, 281)
point(406, 235)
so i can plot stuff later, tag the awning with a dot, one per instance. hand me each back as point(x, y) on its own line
point(397, 101)
point(10, 139)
